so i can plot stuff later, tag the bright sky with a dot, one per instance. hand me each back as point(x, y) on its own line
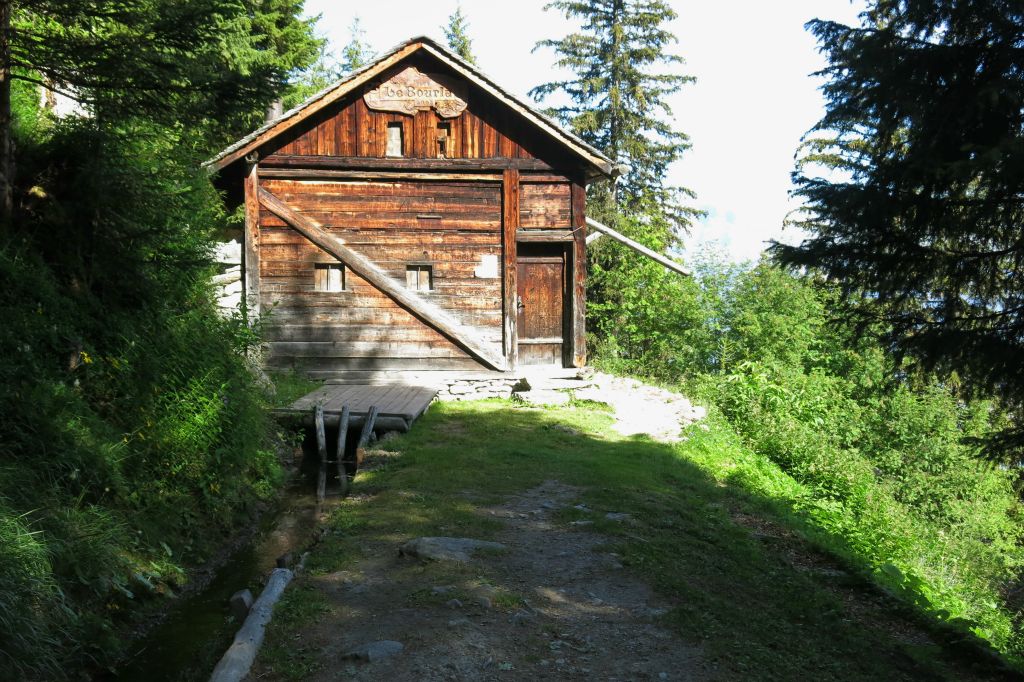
point(753, 100)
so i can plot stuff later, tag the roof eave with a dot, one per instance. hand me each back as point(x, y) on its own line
point(233, 153)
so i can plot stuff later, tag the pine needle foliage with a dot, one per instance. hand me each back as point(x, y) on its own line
point(357, 53)
point(621, 74)
point(918, 212)
point(456, 32)
point(215, 64)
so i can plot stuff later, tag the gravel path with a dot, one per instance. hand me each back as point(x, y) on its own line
point(641, 408)
point(554, 606)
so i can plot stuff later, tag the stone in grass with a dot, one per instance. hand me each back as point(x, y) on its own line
point(375, 651)
point(617, 516)
point(447, 549)
point(521, 618)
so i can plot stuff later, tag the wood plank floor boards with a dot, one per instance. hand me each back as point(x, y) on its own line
point(398, 400)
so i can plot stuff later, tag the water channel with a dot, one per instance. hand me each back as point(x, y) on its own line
point(187, 644)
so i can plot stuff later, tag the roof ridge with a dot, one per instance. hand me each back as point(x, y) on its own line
point(603, 162)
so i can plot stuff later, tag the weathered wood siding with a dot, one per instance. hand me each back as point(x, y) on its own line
point(545, 205)
point(420, 208)
point(485, 130)
point(361, 328)
point(356, 130)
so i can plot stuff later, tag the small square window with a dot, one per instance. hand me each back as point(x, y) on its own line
point(329, 277)
point(444, 140)
point(419, 277)
point(394, 146)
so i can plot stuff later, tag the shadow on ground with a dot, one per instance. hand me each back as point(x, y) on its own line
point(708, 585)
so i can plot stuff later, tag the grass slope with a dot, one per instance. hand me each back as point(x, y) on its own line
point(758, 598)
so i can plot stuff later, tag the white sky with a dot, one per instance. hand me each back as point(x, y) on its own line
point(753, 99)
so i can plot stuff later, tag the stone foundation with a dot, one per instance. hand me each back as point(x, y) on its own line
point(478, 389)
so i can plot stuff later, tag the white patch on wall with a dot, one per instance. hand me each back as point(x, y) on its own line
point(59, 104)
point(228, 283)
point(488, 268)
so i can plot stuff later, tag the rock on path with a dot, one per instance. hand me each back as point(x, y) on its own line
point(447, 549)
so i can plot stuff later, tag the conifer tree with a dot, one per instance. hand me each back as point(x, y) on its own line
point(358, 52)
point(920, 219)
point(211, 65)
point(620, 79)
point(456, 33)
point(324, 71)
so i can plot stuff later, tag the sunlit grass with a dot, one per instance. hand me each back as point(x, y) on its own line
point(734, 593)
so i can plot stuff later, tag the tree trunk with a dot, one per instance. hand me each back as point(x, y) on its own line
point(6, 150)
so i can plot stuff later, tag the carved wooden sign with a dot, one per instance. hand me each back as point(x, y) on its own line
point(409, 90)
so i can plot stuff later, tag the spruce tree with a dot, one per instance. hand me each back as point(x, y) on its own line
point(168, 60)
point(919, 217)
point(358, 52)
point(456, 33)
point(621, 75)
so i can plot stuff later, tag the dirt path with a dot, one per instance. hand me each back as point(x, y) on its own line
point(554, 605)
point(642, 408)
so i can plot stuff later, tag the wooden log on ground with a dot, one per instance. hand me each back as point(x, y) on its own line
point(364, 436)
point(321, 447)
point(342, 438)
point(238, 659)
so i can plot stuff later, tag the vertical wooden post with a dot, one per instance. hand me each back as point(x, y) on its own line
point(364, 435)
point(579, 275)
point(342, 439)
point(509, 226)
point(321, 447)
point(251, 243)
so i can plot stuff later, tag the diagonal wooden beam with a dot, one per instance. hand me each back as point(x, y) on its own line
point(424, 310)
point(636, 246)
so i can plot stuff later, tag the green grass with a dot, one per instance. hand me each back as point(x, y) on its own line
point(290, 386)
point(738, 594)
point(288, 655)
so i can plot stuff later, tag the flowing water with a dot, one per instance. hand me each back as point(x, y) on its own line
point(187, 644)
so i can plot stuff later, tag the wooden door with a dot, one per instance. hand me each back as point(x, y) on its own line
point(541, 306)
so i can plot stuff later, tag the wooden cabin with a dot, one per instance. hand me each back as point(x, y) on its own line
point(414, 216)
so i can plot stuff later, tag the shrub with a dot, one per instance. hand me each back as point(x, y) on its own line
point(133, 435)
point(888, 473)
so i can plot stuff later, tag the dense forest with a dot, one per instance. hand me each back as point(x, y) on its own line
point(870, 376)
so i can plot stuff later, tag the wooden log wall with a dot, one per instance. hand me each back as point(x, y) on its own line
point(437, 206)
point(485, 130)
point(357, 130)
point(448, 225)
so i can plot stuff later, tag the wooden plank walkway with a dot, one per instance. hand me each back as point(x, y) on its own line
point(399, 405)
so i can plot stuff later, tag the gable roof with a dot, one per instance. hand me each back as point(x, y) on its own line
point(590, 155)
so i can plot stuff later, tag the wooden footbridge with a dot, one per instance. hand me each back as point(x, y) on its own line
point(398, 404)
point(391, 407)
